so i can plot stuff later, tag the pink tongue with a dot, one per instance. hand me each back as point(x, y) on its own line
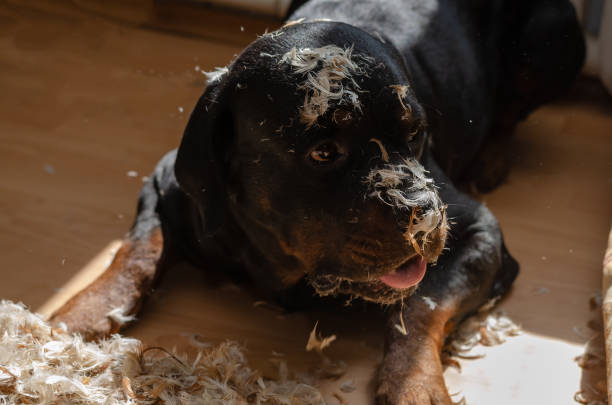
point(407, 275)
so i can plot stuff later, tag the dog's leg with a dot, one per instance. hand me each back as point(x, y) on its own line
point(476, 268)
point(491, 167)
point(411, 372)
point(112, 299)
point(541, 53)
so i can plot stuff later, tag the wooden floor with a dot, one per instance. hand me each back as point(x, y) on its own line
point(91, 98)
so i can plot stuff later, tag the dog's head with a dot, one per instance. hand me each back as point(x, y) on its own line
point(310, 141)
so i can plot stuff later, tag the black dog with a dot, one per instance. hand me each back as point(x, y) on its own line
point(323, 158)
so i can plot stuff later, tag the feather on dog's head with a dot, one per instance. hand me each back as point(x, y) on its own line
point(310, 142)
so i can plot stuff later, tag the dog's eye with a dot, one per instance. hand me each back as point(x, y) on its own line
point(325, 153)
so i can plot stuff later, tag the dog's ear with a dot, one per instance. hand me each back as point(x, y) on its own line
point(202, 159)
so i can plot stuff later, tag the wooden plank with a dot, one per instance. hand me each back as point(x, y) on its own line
point(607, 312)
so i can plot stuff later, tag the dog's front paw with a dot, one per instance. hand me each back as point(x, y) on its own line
point(90, 321)
point(405, 390)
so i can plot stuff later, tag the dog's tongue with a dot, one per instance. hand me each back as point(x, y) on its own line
point(406, 275)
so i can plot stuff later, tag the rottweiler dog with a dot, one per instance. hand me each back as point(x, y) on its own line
point(325, 161)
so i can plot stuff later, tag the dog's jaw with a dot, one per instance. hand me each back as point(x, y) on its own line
point(371, 291)
point(404, 188)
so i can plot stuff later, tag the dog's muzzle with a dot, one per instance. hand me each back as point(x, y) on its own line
point(414, 197)
point(421, 214)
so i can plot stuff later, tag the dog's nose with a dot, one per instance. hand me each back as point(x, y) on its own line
point(427, 231)
point(414, 200)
